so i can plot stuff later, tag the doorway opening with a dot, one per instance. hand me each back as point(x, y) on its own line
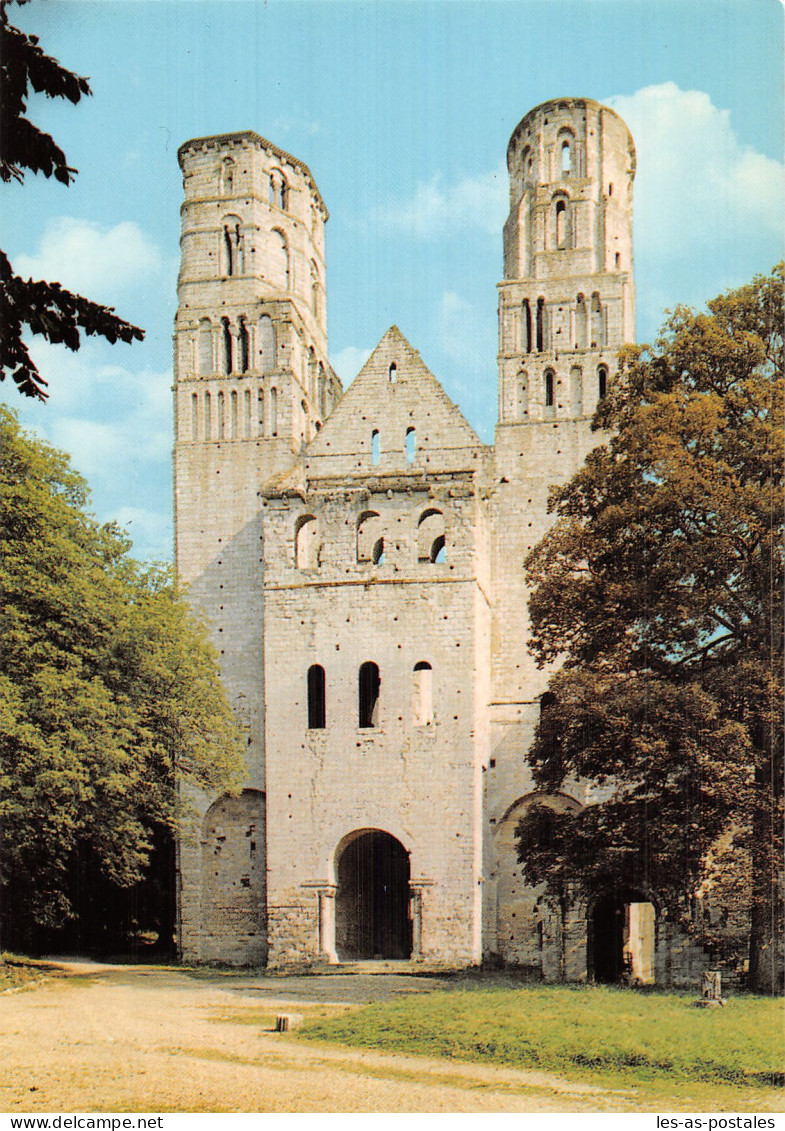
point(372, 901)
point(622, 939)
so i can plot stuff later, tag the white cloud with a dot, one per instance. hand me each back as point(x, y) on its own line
point(348, 362)
point(92, 259)
point(438, 209)
point(708, 208)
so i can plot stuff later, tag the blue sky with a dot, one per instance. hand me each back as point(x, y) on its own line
point(403, 112)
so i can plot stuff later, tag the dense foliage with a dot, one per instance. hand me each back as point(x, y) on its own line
point(660, 589)
point(109, 694)
point(44, 308)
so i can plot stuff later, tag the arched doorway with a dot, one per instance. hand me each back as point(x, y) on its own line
point(372, 900)
point(622, 939)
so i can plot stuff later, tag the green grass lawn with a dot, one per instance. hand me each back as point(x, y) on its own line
point(589, 1031)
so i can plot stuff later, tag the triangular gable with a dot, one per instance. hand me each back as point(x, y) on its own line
point(393, 393)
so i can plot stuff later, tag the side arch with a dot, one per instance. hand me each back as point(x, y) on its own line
point(233, 880)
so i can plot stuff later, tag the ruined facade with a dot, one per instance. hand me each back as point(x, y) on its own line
point(359, 556)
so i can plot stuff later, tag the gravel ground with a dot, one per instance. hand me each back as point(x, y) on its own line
point(147, 1039)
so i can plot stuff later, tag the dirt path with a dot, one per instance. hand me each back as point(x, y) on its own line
point(141, 1039)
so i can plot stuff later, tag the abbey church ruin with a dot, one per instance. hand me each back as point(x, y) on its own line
point(359, 556)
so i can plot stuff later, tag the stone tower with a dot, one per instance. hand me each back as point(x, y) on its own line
point(566, 306)
point(252, 387)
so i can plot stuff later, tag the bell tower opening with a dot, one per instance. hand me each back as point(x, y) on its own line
point(372, 901)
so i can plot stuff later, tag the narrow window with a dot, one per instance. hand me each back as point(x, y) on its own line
point(247, 413)
point(527, 325)
point(208, 424)
point(227, 177)
point(566, 159)
point(273, 412)
point(618, 260)
point(317, 715)
point(549, 389)
point(260, 412)
point(244, 346)
point(375, 447)
point(322, 392)
point(439, 551)
point(271, 189)
point(368, 695)
point(233, 414)
point(540, 325)
point(562, 218)
point(393, 373)
point(422, 695)
point(306, 542)
point(602, 382)
point(283, 193)
point(194, 416)
point(227, 346)
point(219, 412)
point(229, 250)
point(411, 444)
point(377, 554)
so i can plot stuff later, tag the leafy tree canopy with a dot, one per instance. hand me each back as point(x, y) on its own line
point(659, 587)
point(44, 308)
point(109, 694)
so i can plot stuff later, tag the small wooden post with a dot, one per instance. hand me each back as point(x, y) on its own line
point(282, 1023)
point(711, 988)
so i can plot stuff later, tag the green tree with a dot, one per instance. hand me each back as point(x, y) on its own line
point(44, 308)
point(659, 588)
point(110, 696)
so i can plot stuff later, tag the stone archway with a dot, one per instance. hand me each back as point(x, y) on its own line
point(622, 939)
point(372, 898)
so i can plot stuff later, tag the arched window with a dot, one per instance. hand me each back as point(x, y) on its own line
point(576, 391)
point(273, 412)
point(243, 345)
point(233, 414)
point(377, 553)
point(562, 225)
point(411, 445)
point(368, 683)
point(597, 331)
point(550, 388)
point(306, 542)
point(422, 694)
point(566, 158)
point(219, 412)
point(267, 344)
point(317, 715)
point(393, 373)
point(208, 423)
point(233, 246)
point(375, 447)
point(247, 413)
point(430, 534)
point(227, 345)
point(540, 325)
point(523, 394)
point(527, 326)
point(438, 555)
point(602, 382)
point(205, 347)
point(194, 416)
point(581, 323)
point(278, 191)
point(260, 411)
point(369, 532)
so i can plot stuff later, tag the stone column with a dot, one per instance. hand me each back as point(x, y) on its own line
point(325, 894)
point(416, 889)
